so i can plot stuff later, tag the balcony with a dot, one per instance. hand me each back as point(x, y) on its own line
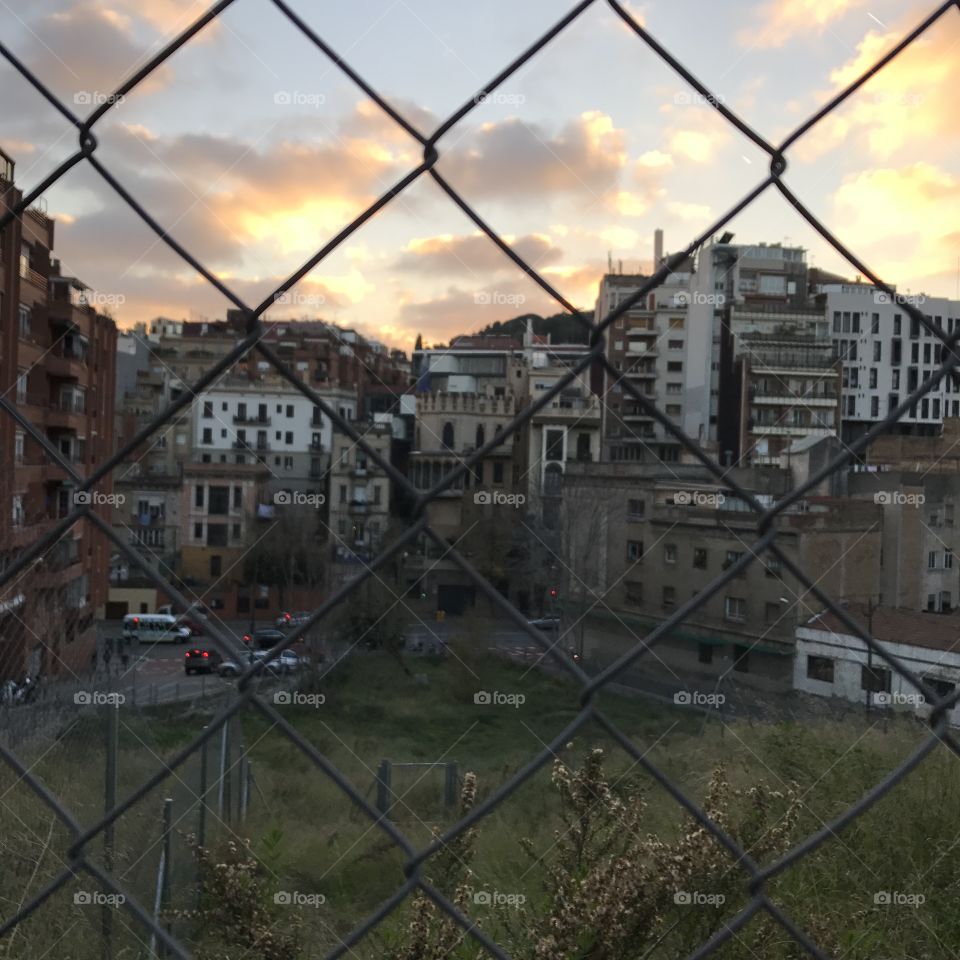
point(253, 421)
point(37, 280)
point(358, 507)
point(636, 416)
point(67, 365)
point(248, 447)
point(640, 372)
point(316, 445)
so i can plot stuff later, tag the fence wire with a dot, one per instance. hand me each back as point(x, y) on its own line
point(757, 877)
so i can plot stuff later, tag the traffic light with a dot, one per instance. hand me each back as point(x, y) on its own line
point(553, 593)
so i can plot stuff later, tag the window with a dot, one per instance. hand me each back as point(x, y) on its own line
point(774, 568)
point(207, 435)
point(636, 509)
point(732, 557)
point(198, 531)
point(874, 679)
point(772, 611)
point(219, 500)
point(820, 669)
point(875, 324)
point(198, 495)
point(498, 472)
point(675, 366)
point(734, 608)
point(674, 344)
point(554, 445)
point(21, 386)
point(873, 378)
point(634, 550)
point(669, 596)
point(670, 553)
point(948, 559)
point(700, 558)
point(741, 659)
point(874, 407)
point(23, 316)
point(237, 498)
point(674, 388)
point(480, 436)
point(288, 437)
point(705, 653)
point(942, 688)
point(343, 493)
point(216, 565)
point(208, 408)
point(633, 593)
point(447, 439)
point(289, 409)
point(216, 534)
point(932, 560)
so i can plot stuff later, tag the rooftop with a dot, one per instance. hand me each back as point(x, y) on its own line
point(911, 627)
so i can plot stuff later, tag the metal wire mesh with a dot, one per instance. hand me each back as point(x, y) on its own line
point(757, 877)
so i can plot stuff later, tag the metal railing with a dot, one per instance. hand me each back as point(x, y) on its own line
point(86, 842)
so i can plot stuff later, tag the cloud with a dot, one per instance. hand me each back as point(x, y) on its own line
point(698, 146)
point(903, 221)
point(474, 255)
point(909, 106)
point(526, 164)
point(782, 20)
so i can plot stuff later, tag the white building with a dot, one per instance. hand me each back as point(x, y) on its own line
point(242, 421)
point(830, 662)
point(886, 355)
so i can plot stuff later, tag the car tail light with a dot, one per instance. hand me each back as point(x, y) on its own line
point(246, 638)
point(205, 653)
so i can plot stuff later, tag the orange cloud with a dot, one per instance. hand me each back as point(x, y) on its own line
point(781, 20)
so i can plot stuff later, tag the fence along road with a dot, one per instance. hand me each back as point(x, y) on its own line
point(755, 878)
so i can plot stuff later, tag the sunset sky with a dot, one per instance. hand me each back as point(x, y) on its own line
point(253, 148)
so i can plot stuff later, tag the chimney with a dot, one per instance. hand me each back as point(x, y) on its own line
point(657, 248)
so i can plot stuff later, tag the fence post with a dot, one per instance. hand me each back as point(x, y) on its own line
point(383, 788)
point(223, 791)
point(112, 734)
point(451, 781)
point(202, 811)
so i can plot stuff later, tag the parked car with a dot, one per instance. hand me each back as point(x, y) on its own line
point(201, 660)
point(291, 662)
point(288, 620)
point(263, 639)
point(277, 666)
point(195, 629)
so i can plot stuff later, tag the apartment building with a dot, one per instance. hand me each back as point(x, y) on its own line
point(219, 513)
point(886, 355)
point(360, 494)
point(57, 364)
point(642, 540)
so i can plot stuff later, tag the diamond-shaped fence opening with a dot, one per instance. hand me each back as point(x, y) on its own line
point(84, 846)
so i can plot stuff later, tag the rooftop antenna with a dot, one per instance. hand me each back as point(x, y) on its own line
point(609, 262)
point(620, 266)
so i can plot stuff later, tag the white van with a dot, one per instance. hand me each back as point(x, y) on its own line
point(154, 628)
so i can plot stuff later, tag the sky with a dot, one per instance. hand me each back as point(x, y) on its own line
point(253, 148)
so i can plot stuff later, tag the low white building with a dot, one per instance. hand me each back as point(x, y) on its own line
point(832, 662)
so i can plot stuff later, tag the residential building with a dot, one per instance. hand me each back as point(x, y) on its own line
point(643, 540)
point(886, 355)
point(57, 365)
point(359, 497)
point(833, 662)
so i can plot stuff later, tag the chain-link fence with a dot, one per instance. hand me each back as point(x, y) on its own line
point(757, 878)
